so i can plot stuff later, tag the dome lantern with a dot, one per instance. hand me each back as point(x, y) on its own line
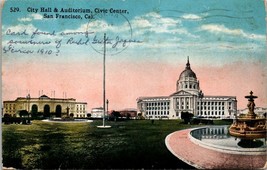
point(187, 72)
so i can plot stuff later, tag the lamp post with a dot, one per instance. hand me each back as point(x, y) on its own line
point(107, 105)
point(28, 103)
point(200, 96)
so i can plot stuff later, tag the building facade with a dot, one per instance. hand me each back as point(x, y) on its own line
point(45, 105)
point(128, 112)
point(97, 112)
point(188, 97)
point(259, 111)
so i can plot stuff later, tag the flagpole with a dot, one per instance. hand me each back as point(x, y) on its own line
point(104, 80)
point(104, 85)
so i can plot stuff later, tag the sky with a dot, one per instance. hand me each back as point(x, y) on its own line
point(146, 49)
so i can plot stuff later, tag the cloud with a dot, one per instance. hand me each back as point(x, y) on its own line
point(191, 17)
point(214, 28)
point(25, 19)
point(141, 23)
point(155, 23)
point(21, 27)
point(31, 17)
point(37, 16)
point(97, 26)
point(141, 26)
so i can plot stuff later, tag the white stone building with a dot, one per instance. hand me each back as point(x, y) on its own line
point(97, 112)
point(260, 111)
point(187, 98)
point(45, 105)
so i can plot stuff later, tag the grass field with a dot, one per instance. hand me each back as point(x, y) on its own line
point(128, 144)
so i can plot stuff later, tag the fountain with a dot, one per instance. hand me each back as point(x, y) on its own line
point(66, 119)
point(240, 146)
point(250, 126)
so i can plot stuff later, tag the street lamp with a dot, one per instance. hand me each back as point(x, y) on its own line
point(200, 96)
point(107, 105)
point(28, 103)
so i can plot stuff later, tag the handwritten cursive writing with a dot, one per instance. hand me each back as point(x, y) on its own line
point(86, 33)
point(12, 49)
point(48, 43)
point(10, 32)
point(37, 32)
point(124, 42)
point(31, 42)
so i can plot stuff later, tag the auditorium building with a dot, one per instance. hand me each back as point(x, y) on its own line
point(46, 106)
point(188, 97)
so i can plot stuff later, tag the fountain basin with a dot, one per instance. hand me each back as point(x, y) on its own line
point(59, 120)
point(218, 138)
point(201, 156)
point(247, 128)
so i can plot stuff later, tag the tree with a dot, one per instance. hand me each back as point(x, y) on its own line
point(23, 113)
point(128, 115)
point(115, 115)
point(186, 116)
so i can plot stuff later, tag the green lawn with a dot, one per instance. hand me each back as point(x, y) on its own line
point(128, 144)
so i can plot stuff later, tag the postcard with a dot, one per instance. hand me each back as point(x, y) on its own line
point(118, 64)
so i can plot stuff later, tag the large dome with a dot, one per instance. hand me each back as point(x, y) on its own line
point(187, 72)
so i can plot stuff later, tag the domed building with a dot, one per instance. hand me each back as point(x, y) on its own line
point(188, 97)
